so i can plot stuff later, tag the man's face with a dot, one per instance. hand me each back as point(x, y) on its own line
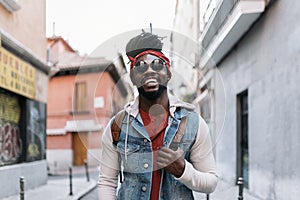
point(150, 75)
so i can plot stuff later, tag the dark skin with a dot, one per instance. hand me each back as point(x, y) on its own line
point(150, 81)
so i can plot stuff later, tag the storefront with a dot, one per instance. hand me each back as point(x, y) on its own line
point(23, 97)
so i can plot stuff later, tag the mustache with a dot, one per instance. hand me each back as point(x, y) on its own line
point(143, 80)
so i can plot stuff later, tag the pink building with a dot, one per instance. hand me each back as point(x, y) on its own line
point(83, 95)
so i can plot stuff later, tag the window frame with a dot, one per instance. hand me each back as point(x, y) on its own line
point(80, 98)
point(242, 138)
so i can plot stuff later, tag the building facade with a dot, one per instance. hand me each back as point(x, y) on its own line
point(23, 95)
point(249, 58)
point(184, 49)
point(83, 95)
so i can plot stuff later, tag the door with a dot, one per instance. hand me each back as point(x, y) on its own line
point(79, 141)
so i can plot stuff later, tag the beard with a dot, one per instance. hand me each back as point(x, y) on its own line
point(152, 95)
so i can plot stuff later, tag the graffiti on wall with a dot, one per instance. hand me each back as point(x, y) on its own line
point(10, 143)
point(36, 131)
point(10, 139)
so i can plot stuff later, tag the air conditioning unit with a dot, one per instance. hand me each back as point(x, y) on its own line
point(10, 5)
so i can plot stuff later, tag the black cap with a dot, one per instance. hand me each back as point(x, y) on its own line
point(144, 41)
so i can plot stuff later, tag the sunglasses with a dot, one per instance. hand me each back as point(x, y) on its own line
point(156, 65)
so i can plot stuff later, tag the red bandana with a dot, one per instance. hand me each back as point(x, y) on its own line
point(152, 52)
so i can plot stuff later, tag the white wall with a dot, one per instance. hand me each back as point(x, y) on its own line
point(59, 160)
point(14, 172)
point(266, 61)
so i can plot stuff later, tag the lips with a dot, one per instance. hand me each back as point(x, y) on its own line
point(150, 83)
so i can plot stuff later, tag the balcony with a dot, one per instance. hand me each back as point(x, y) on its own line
point(227, 24)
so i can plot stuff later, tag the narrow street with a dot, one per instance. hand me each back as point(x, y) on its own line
point(79, 172)
point(92, 195)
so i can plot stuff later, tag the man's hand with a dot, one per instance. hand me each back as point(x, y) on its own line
point(172, 161)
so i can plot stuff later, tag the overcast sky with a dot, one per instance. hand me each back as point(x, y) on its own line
point(86, 24)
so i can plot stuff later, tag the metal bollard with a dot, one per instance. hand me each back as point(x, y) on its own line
point(70, 177)
point(86, 171)
point(240, 183)
point(22, 193)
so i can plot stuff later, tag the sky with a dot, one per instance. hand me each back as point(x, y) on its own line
point(89, 23)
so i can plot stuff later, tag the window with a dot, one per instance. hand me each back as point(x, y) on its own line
point(80, 103)
point(207, 8)
point(242, 137)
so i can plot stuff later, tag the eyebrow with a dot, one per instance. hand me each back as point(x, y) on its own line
point(152, 60)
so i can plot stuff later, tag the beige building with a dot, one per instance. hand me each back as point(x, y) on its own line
point(26, 22)
point(23, 94)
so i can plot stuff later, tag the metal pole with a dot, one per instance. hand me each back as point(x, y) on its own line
point(207, 196)
point(241, 187)
point(86, 171)
point(70, 177)
point(22, 193)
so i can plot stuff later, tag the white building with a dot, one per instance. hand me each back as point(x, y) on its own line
point(250, 61)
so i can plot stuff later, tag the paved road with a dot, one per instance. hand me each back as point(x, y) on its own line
point(93, 174)
point(93, 195)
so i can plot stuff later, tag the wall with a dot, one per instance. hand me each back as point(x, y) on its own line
point(266, 61)
point(13, 173)
point(184, 48)
point(27, 25)
point(59, 152)
point(60, 97)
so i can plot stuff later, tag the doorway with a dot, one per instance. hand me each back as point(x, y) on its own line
point(79, 145)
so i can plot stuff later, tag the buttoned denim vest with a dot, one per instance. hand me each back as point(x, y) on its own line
point(137, 164)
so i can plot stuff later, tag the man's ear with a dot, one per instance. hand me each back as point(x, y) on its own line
point(132, 77)
point(169, 74)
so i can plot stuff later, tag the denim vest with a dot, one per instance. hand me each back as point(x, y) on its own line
point(137, 164)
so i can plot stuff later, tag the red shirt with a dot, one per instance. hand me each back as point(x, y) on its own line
point(155, 126)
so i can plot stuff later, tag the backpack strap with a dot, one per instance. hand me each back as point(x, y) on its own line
point(116, 126)
point(115, 132)
point(179, 134)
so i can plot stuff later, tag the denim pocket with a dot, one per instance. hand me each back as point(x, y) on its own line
point(130, 159)
point(131, 148)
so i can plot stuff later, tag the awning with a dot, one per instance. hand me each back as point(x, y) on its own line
point(82, 126)
point(56, 131)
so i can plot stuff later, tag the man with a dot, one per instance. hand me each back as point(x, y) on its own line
point(143, 154)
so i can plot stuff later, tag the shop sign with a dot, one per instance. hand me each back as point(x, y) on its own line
point(16, 75)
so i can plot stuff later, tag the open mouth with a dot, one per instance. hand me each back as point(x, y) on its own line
point(150, 83)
